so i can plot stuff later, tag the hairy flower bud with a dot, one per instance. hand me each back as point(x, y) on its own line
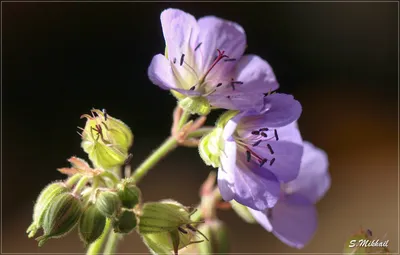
point(352, 244)
point(91, 224)
point(166, 226)
point(195, 105)
point(108, 203)
point(129, 194)
point(125, 222)
point(42, 203)
point(163, 216)
point(216, 232)
point(61, 217)
point(211, 147)
point(243, 212)
point(106, 140)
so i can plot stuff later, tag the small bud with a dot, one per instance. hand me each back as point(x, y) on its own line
point(163, 216)
point(61, 217)
point(108, 203)
point(42, 203)
point(243, 212)
point(211, 147)
point(91, 224)
point(167, 242)
point(166, 226)
point(195, 105)
point(125, 222)
point(129, 194)
point(216, 232)
point(106, 140)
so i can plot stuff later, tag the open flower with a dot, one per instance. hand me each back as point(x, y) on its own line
point(294, 218)
point(204, 66)
point(256, 152)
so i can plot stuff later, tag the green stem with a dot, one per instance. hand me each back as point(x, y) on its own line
point(112, 242)
point(154, 158)
point(95, 247)
point(80, 185)
point(200, 132)
point(72, 180)
point(184, 118)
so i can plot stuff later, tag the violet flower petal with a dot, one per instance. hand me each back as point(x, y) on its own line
point(293, 220)
point(314, 179)
point(160, 72)
point(256, 75)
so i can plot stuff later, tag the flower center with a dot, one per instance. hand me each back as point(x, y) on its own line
point(258, 138)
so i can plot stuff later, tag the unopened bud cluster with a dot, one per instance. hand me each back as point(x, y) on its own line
point(90, 196)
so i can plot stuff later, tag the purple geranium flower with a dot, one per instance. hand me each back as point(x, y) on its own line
point(204, 59)
point(260, 152)
point(294, 218)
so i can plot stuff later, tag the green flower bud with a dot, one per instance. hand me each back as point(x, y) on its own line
point(42, 203)
point(61, 217)
point(218, 239)
point(108, 203)
point(211, 147)
point(106, 140)
point(166, 226)
point(125, 222)
point(168, 242)
point(195, 105)
point(243, 212)
point(129, 194)
point(225, 117)
point(91, 224)
point(163, 216)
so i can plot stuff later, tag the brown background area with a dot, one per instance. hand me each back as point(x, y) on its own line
point(339, 61)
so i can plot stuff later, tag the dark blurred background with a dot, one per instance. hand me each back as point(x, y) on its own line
point(338, 59)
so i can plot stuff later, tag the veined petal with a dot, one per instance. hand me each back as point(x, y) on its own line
point(287, 150)
point(279, 110)
point(225, 172)
point(178, 28)
point(294, 220)
point(237, 101)
point(261, 218)
point(251, 189)
point(160, 72)
point(216, 33)
point(314, 179)
point(256, 75)
point(284, 163)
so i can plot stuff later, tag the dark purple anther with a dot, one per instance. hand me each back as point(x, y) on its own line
point(276, 134)
point(257, 143)
point(270, 148)
point(272, 161)
point(263, 162)
point(198, 46)
point(248, 156)
point(182, 58)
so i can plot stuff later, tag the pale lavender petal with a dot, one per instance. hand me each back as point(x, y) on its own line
point(279, 110)
point(216, 33)
point(228, 163)
point(187, 92)
point(314, 179)
point(237, 101)
point(251, 189)
point(285, 161)
point(160, 72)
point(178, 28)
point(261, 218)
point(256, 75)
point(294, 220)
